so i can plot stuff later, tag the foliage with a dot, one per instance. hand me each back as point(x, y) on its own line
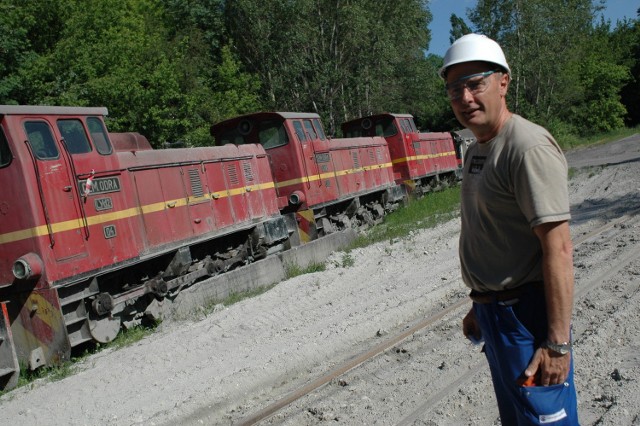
point(562, 66)
point(171, 68)
point(294, 270)
point(458, 28)
point(426, 212)
point(339, 58)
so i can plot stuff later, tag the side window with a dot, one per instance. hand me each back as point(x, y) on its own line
point(413, 126)
point(309, 128)
point(231, 136)
point(99, 135)
point(318, 127)
point(272, 134)
point(5, 153)
point(74, 136)
point(379, 129)
point(41, 140)
point(386, 128)
point(299, 131)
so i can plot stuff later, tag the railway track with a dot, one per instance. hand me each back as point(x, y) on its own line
point(412, 349)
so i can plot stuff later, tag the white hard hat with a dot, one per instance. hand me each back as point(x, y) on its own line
point(474, 47)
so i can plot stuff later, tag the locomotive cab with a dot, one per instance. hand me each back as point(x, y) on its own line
point(298, 151)
point(53, 158)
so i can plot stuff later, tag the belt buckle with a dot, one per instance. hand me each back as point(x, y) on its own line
point(509, 302)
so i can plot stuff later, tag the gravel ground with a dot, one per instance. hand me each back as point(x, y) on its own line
point(226, 366)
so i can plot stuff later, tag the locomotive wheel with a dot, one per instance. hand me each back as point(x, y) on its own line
point(104, 329)
point(366, 217)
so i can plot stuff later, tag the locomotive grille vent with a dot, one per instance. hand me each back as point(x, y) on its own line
point(248, 171)
point(379, 154)
point(232, 171)
point(372, 156)
point(356, 161)
point(196, 183)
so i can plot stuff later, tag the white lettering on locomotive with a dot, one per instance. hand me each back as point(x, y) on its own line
point(101, 185)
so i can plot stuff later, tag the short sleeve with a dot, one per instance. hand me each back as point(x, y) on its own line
point(540, 184)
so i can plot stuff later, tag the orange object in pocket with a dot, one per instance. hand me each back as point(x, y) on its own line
point(529, 381)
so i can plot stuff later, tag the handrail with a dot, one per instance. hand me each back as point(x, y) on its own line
point(41, 194)
point(85, 222)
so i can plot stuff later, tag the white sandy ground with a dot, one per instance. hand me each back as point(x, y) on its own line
point(223, 367)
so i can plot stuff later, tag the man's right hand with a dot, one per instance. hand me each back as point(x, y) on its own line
point(470, 327)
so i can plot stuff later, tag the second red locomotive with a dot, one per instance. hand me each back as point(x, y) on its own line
point(330, 184)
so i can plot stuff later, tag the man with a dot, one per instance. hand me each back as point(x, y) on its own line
point(515, 247)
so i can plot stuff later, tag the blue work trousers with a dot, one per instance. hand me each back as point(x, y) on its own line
point(512, 331)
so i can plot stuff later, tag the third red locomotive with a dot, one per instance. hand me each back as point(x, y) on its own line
point(421, 161)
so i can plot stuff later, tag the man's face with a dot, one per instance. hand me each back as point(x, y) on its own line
point(480, 112)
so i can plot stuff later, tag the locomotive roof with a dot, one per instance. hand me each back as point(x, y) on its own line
point(51, 110)
point(382, 114)
point(298, 114)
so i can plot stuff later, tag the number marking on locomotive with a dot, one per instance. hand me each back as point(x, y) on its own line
point(103, 204)
point(109, 231)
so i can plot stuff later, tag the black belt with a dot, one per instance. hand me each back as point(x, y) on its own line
point(504, 295)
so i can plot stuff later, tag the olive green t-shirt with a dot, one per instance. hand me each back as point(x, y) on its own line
point(510, 184)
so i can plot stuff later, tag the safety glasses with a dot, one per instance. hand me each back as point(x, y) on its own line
point(474, 83)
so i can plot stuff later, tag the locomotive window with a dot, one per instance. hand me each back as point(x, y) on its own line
point(231, 136)
point(272, 134)
point(74, 136)
point(99, 135)
point(309, 128)
point(318, 127)
point(41, 140)
point(405, 125)
point(299, 131)
point(386, 128)
point(413, 126)
point(353, 132)
point(5, 153)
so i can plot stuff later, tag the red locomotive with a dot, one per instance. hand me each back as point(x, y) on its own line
point(96, 228)
point(329, 184)
point(421, 161)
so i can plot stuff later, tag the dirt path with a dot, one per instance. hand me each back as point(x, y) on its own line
point(219, 369)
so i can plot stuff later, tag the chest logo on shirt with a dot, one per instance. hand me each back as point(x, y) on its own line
point(477, 163)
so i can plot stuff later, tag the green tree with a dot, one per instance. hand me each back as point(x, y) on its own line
point(340, 58)
point(23, 41)
point(600, 109)
point(554, 52)
point(625, 46)
point(458, 28)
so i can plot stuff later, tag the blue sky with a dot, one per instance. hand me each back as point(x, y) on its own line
point(442, 10)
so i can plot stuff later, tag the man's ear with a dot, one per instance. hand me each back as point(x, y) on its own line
point(505, 79)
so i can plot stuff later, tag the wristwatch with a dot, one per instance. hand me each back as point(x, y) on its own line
point(561, 348)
